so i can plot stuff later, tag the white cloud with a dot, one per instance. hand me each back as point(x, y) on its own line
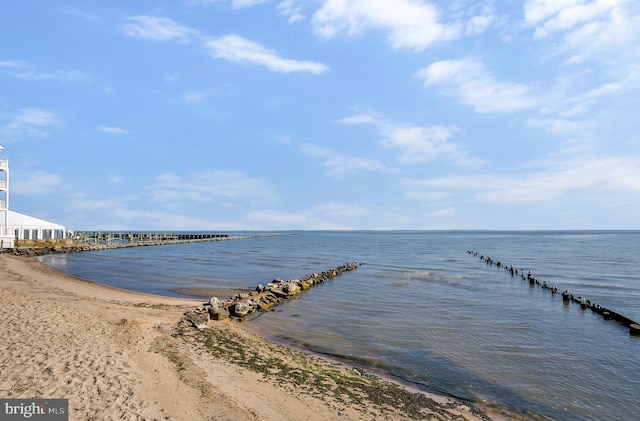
point(584, 111)
point(124, 213)
point(478, 24)
point(158, 29)
point(171, 77)
point(411, 24)
point(423, 144)
point(194, 97)
point(603, 31)
point(539, 10)
point(237, 49)
point(339, 165)
point(229, 47)
point(340, 210)
point(417, 144)
point(35, 182)
point(560, 125)
point(292, 9)
point(239, 4)
point(362, 118)
point(77, 12)
point(326, 216)
point(28, 122)
point(287, 220)
point(236, 4)
point(111, 129)
point(551, 16)
point(116, 178)
point(107, 89)
point(558, 179)
point(211, 185)
point(471, 84)
point(614, 39)
point(26, 71)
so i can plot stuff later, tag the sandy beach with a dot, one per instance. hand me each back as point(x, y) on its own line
point(118, 355)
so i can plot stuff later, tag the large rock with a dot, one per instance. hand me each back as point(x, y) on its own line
point(197, 318)
point(284, 289)
point(239, 309)
point(291, 288)
point(218, 313)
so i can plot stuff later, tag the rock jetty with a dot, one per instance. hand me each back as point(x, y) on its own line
point(108, 241)
point(263, 298)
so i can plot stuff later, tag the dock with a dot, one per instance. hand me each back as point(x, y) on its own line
point(103, 240)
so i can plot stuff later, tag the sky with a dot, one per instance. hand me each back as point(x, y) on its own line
point(322, 114)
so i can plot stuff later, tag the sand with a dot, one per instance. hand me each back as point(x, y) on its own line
point(118, 355)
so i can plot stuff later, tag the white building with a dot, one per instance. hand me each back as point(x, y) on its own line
point(16, 226)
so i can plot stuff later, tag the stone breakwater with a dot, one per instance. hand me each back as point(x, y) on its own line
point(44, 249)
point(262, 299)
point(567, 297)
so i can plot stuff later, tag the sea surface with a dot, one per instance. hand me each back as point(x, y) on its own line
point(425, 311)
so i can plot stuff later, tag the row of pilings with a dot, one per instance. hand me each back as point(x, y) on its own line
point(567, 297)
point(263, 298)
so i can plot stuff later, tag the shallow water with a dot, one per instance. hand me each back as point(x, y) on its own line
point(424, 310)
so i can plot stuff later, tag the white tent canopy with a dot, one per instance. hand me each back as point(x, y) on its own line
point(25, 227)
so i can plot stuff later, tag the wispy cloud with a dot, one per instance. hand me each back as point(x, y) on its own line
point(77, 12)
point(292, 9)
point(470, 83)
point(112, 129)
point(557, 180)
point(553, 16)
point(156, 28)
point(125, 212)
point(35, 182)
point(601, 31)
point(25, 70)
point(235, 4)
point(28, 122)
point(326, 216)
point(229, 47)
point(210, 186)
point(193, 97)
point(411, 24)
point(339, 165)
point(416, 144)
point(237, 49)
point(239, 4)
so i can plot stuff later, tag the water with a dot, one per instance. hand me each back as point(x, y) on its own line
point(425, 311)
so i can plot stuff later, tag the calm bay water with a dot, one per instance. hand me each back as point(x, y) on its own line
point(425, 311)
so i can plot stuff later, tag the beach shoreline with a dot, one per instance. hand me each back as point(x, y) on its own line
point(115, 354)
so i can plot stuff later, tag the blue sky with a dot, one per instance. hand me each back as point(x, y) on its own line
point(323, 114)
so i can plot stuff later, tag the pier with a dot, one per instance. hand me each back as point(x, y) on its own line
point(103, 240)
point(132, 239)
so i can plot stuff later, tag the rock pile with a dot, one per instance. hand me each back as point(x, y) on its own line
point(41, 251)
point(262, 299)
